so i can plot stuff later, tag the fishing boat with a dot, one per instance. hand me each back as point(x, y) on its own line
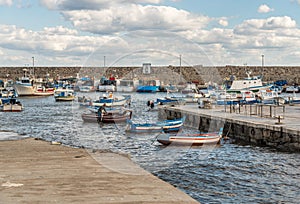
point(126, 85)
point(85, 84)
point(248, 84)
point(294, 99)
point(292, 89)
point(107, 84)
point(164, 126)
point(111, 100)
point(271, 97)
point(43, 91)
point(64, 94)
point(191, 139)
point(24, 86)
point(108, 117)
point(12, 105)
point(190, 88)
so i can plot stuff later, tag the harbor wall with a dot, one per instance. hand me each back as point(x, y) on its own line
point(172, 74)
point(240, 131)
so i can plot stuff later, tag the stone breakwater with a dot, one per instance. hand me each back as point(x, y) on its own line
point(168, 74)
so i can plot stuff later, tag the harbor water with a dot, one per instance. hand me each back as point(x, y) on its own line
point(224, 173)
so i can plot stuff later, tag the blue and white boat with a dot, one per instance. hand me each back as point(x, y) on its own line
point(164, 126)
point(64, 94)
point(112, 100)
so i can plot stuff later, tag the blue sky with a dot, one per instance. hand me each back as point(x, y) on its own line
point(213, 33)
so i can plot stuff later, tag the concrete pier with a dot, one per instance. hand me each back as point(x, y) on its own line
point(273, 126)
point(33, 171)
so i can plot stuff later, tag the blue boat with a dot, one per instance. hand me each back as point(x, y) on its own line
point(164, 126)
point(147, 89)
point(151, 86)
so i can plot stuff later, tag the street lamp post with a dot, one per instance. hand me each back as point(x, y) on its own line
point(104, 61)
point(33, 65)
point(262, 64)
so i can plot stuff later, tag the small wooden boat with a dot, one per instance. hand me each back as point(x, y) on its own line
point(195, 139)
point(109, 117)
point(164, 126)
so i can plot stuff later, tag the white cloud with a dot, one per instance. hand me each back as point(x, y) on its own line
point(252, 26)
point(137, 31)
point(264, 9)
point(91, 4)
point(223, 22)
point(6, 2)
point(134, 17)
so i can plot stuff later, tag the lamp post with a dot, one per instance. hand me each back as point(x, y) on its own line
point(262, 64)
point(180, 68)
point(33, 65)
point(104, 61)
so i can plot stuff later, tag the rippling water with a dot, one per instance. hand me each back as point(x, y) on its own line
point(226, 173)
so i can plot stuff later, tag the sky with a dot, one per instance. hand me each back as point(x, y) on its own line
point(160, 32)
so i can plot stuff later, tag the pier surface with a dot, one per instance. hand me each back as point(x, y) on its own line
point(273, 126)
point(34, 171)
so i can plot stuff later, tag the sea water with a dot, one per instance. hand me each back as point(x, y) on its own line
point(225, 173)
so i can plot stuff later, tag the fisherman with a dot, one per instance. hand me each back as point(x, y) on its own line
point(101, 111)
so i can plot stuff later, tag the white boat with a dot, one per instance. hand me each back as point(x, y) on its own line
point(294, 99)
point(24, 87)
point(105, 88)
point(248, 84)
point(190, 88)
point(43, 91)
point(85, 84)
point(112, 100)
point(225, 98)
point(248, 97)
point(63, 94)
point(43, 87)
point(292, 89)
point(12, 105)
point(194, 139)
point(106, 85)
point(270, 97)
point(126, 85)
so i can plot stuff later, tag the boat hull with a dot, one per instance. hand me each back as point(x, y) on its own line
point(23, 90)
point(166, 126)
point(107, 118)
point(147, 89)
point(70, 98)
point(196, 139)
point(111, 101)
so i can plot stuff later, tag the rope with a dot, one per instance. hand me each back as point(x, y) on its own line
point(226, 136)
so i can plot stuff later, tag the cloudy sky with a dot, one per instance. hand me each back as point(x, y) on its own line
point(160, 32)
